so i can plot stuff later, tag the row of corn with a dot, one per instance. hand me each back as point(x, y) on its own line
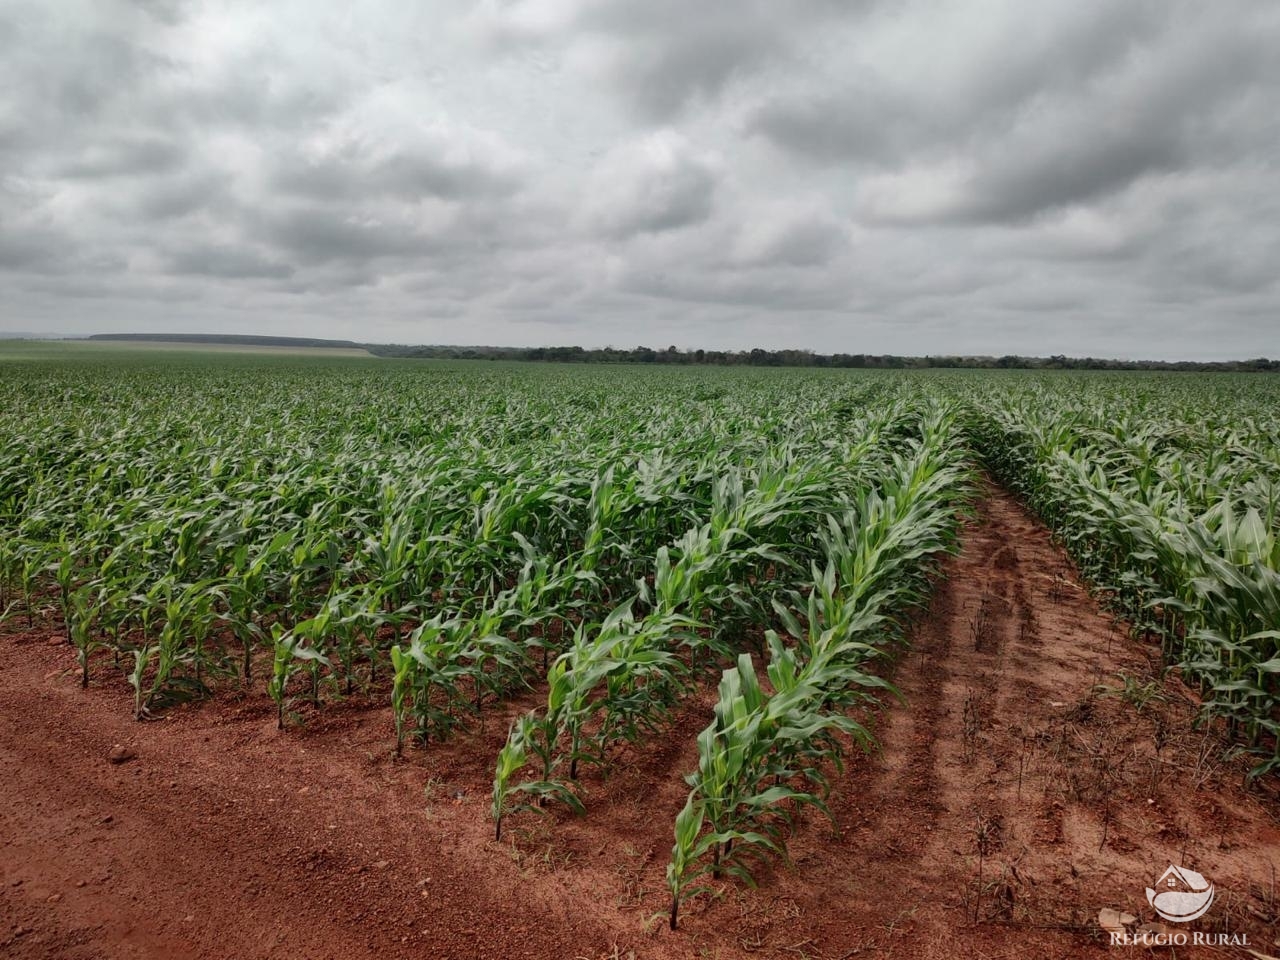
point(1173, 516)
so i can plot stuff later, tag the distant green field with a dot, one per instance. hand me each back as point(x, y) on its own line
point(70, 350)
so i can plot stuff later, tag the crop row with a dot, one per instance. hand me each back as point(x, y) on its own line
point(1174, 519)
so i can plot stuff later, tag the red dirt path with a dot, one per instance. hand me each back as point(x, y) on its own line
point(223, 838)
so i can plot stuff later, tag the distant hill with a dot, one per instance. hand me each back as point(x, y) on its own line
point(242, 340)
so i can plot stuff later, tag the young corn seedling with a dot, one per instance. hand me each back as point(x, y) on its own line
point(80, 608)
point(745, 759)
point(289, 656)
point(512, 758)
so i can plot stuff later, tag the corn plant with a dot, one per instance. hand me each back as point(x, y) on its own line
point(758, 743)
point(511, 759)
point(290, 655)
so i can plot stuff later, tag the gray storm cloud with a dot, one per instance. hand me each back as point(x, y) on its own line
point(981, 177)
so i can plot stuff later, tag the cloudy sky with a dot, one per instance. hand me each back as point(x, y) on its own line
point(906, 176)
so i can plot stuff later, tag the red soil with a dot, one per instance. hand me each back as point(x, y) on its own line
point(1012, 799)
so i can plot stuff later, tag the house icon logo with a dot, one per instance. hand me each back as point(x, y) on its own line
point(1181, 895)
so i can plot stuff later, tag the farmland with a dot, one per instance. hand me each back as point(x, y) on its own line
point(615, 645)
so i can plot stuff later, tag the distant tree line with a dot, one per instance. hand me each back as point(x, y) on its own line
point(721, 358)
point(806, 358)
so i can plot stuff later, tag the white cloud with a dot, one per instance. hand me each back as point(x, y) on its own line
point(657, 183)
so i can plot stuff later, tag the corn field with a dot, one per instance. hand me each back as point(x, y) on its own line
point(442, 537)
